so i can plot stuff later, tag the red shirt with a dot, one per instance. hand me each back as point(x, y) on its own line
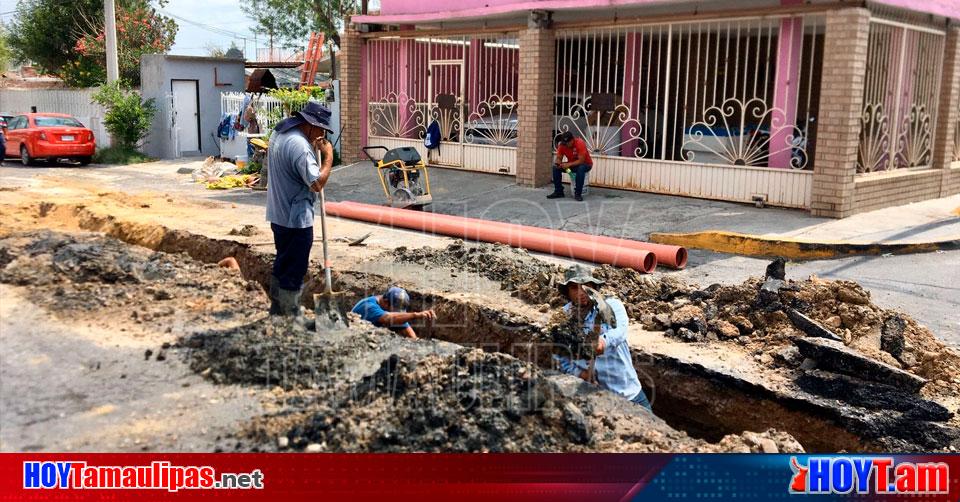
point(579, 153)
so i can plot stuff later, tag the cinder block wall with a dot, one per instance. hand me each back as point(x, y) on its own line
point(894, 189)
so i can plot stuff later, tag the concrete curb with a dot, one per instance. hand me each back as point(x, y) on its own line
point(755, 245)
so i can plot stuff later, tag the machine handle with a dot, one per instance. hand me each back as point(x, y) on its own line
point(365, 152)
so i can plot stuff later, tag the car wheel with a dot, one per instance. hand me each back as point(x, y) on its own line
point(84, 160)
point(25, 157)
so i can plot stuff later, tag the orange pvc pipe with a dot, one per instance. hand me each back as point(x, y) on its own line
point(667, 255)
point(480, 230)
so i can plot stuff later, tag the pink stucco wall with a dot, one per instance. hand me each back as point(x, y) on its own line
point(413, 11)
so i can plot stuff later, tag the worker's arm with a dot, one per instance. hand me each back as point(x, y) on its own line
point(409, 332)
point(613, 337)
point(398, 318)
point(326, 163)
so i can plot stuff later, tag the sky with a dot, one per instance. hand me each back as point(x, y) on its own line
point(216, 16)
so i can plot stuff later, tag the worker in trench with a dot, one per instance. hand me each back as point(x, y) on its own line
point(612, 364)
point(296, 177)
point(389, 310)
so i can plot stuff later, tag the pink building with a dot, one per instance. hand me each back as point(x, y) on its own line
point(833, 106)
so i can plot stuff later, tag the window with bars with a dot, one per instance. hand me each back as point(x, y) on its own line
point(901, 90)
point(736, 92)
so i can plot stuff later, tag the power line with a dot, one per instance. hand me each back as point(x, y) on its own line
point(213, 29)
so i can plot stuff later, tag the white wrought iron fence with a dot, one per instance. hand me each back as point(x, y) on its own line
point(269, 110)
point(732, 92)
point(467, 83)
point(902, 86)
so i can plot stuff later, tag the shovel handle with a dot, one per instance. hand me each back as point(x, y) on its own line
point(328, 281)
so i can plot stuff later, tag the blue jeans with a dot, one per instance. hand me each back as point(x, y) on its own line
point(641, 399)
point(293, 255)
point(581, 171)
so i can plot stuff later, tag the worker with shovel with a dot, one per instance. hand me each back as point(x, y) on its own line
point(296, 177)
point(611, 365)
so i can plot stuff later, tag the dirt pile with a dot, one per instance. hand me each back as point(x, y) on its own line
point(276, 351)
point(87, 275)
point(474, 401)
point(526, 277)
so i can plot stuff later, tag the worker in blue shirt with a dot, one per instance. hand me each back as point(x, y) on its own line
point(389, 310)
point(613, 366)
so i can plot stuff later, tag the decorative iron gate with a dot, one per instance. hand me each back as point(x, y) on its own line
point(467, 84)
point(721, 109)
point(901, 92)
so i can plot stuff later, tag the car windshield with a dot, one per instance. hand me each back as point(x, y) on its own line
point(57, 122)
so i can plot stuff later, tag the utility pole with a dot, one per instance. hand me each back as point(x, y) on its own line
point(110, 27)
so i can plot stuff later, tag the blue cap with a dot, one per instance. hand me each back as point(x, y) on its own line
point(397, 299)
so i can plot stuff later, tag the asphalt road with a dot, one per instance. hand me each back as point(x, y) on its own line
point(926, 286)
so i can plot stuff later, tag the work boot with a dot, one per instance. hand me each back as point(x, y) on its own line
point(578, 198)
point(274, 296)
point(555, 195)
point(288, 302)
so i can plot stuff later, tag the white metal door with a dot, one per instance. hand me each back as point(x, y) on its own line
point(186, 115)
point(445, 91)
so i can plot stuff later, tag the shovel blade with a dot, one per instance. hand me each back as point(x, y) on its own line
point(329, 311)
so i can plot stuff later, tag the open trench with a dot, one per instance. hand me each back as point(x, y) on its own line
point(688, 396)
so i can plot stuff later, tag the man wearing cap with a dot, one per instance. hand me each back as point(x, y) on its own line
point(389, 310)
point(613, 366)
point(296, 177)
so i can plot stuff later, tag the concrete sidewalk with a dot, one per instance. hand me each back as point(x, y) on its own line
point(637, 215)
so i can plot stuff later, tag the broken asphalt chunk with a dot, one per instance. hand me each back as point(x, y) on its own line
point(809, 326)
point(835, 356)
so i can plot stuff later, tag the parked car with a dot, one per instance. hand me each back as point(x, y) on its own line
point(49, 136)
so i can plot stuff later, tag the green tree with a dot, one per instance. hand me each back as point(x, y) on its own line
point(128, 117)
point(6, 55)
point(66, 37)
point(292, 20)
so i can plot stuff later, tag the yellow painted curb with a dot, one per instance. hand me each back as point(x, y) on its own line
point(755, 245)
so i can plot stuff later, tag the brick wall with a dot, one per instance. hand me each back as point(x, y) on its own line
point(948, 113)
point(841, 103)
point(893, 189)
point(350, 98)
point(535, 144)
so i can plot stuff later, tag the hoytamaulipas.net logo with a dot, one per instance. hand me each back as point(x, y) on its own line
point(868, 475)
point(66, 475)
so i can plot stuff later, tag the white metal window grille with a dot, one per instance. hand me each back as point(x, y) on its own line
point(468, 84)
point(901, 91)
point(269, 110)
point(732, 92)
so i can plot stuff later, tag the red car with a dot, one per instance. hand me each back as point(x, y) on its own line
point(50, 136)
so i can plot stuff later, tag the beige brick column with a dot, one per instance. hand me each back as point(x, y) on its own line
point(535, 127)
point(351, 99)
point(841, 104)
point(943, 141)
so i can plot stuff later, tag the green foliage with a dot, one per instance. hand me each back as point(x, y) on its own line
point(120, 155)
point(6, 55)
point(83, 72)
point(295, 99)
point(66, 37)
point(291, 20)
point(128, 117)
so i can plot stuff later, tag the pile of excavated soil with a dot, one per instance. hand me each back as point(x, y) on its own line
point(526, 277)
point(276, 351)
point(87, 275)
point(473, 401)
